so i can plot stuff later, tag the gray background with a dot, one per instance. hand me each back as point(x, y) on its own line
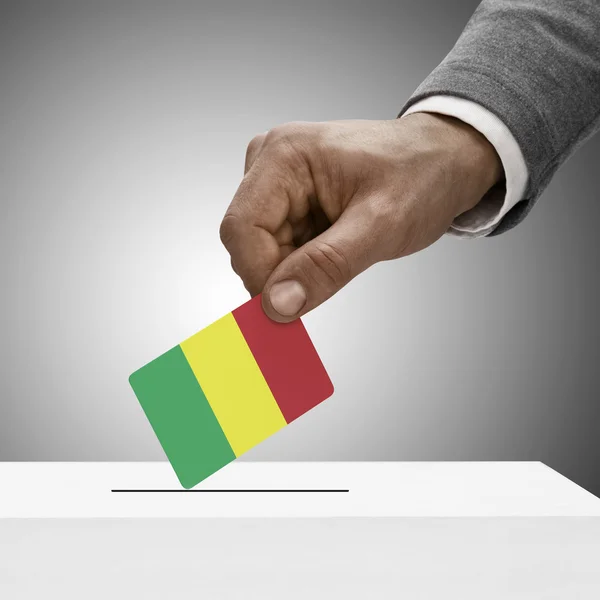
point(123, 128)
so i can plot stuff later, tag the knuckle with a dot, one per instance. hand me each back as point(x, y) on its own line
point(276, 134)
point(254, 146)
point(283, 132)
point(228, 229)
point(288, 136)
point(329, 262)
point(285, 147)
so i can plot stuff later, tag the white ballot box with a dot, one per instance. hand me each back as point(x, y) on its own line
point(297, 530)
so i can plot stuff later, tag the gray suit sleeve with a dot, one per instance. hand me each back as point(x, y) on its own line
point(536, 65)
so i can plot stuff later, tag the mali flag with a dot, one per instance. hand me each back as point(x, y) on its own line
point(228, 387)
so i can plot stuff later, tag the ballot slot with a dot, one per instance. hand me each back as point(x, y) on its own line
point(291, 490)
point(249, 491)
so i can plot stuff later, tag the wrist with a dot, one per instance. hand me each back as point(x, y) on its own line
point(471, 160)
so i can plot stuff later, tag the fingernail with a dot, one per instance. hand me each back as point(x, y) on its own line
point(287, 297)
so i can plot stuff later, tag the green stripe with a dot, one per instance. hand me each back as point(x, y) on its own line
point(181, 417)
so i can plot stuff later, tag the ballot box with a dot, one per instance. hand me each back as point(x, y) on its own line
point(298, 530)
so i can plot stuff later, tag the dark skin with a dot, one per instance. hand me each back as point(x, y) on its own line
point(322, 202)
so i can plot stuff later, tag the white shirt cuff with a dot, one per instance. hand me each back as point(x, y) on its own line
point(483, 218)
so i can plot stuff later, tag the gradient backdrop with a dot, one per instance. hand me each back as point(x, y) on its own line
point(123, 128)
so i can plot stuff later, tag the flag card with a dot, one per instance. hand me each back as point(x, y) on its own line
point(228, 387)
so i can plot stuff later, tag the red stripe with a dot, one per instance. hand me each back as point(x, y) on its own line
point(287, 358)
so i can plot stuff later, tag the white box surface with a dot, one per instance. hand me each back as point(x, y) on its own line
point(414, 530)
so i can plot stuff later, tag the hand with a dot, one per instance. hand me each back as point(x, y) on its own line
point(322, 202)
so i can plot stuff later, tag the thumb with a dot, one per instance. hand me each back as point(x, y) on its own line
point(317, 270)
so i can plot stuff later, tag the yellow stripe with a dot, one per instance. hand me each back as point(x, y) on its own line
point(233, 384)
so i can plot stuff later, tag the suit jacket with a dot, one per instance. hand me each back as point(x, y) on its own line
point(536, 65)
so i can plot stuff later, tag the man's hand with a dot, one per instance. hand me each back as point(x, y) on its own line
point(322, 202)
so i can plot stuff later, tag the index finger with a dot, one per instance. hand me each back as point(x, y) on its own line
point(254, 229)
